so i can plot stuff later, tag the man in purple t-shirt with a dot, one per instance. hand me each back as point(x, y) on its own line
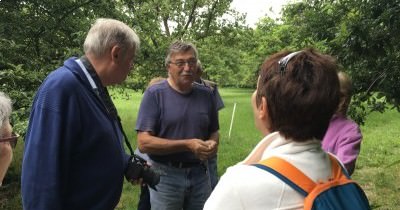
point(219, 104)
point(178, 128)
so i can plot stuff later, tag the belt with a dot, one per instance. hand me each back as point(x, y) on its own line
point(178, 164)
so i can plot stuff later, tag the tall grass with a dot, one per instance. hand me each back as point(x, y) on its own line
point(380, 148)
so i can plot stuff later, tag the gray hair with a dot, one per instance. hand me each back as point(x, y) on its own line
point(199, 66)
point(179, 47)
point(5, 110)
point(105, 33)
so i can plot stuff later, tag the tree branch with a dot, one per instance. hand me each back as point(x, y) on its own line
point(191, 17)
point(210, 18)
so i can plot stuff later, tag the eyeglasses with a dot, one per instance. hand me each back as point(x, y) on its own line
point(12, 139)
point(182, 63)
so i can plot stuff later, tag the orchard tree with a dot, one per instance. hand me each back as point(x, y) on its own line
point(200, 21)
point(37, 36)
point(364, 36)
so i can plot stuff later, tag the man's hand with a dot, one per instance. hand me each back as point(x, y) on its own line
point(202, 149)
point(213, 146)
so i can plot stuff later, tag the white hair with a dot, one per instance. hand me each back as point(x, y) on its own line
point(105, 33)
point(5, 110)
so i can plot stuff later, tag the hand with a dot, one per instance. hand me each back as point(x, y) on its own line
point(200, 148)
point(213, 146)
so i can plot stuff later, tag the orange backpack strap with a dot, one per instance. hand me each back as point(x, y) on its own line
point(338, 172)
point(288, 173)
point(327, 191)
point(336, 168)
point(295, 178)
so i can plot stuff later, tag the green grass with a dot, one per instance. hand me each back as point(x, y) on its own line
point(374, 172)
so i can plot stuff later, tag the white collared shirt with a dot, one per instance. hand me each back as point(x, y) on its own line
point(248, 187)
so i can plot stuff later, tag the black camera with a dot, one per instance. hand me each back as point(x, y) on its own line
point(138, 168)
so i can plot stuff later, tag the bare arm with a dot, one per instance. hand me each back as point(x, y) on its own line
point(213, 143)
point(151, 144)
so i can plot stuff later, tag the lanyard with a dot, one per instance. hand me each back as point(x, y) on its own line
point(90, 79)
point(96, 90)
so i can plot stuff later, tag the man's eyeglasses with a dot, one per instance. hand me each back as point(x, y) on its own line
point(182, 63)
point(12, 139)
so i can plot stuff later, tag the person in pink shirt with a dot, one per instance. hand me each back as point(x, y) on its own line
point(343, 137)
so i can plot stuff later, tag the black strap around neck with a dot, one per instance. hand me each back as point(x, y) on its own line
point(105, 98)
point(102, 91)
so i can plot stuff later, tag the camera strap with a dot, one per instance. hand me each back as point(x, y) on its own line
point(102, 94)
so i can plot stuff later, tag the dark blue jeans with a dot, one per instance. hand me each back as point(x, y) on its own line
point(213, 171)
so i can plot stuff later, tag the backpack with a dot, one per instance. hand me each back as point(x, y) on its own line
point(338, 193)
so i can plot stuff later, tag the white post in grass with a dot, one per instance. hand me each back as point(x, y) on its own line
point(233, 116)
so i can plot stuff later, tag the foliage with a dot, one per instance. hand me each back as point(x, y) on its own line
point(42, 33)
point(36, 36)
point(160, 22)
point(364, 37)
point(17, 83)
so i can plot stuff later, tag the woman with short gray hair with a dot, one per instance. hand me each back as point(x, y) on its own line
point(5, 134)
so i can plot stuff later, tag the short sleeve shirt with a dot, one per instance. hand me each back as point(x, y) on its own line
point(173, 115)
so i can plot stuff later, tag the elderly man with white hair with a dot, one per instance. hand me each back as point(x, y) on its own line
point(6, 136)
point(74, 156)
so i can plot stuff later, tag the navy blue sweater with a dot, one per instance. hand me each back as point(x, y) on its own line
point(74, 156)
